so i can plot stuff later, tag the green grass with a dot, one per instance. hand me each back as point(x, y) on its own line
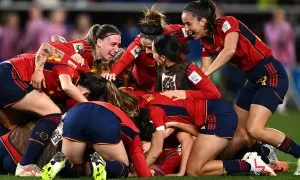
point(289, 124)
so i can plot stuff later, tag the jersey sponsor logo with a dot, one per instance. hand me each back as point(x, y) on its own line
point(185, 34)
point(136, 51)
point(168, 82)
point(78, 47)
point(195, 77)
point(226, 26)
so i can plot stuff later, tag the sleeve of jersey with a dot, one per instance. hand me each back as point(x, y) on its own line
point(138, 158)
point(230, 24)
point(65, 47)
point(157, 115)
point(64, 69)
point(205, 87)
point(131, 53)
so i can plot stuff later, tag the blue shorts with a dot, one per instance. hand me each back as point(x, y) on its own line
point(13, 89)
point(221, 119)
point(266, 85)
point(92, 123)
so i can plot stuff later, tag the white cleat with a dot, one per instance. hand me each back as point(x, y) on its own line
point(258, 166)
point(297, 172)
point(30, 170)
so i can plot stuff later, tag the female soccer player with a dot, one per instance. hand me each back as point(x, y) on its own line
point(267, 82)
point(216, 128)
point(139, 51)
point(104, 126)
point(100, 46)
point(62, 74)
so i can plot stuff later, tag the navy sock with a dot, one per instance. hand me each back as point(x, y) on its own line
point(9, 165)
point(3, 130)
point(39, 136)
point(236, 166)
point(72, 170)
point(290, 147)
point(116, 169)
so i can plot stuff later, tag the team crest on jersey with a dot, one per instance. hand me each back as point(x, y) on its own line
point(168, 82)
point(195, 77)
point(78, 47)
point(136, 51)
point(226, 26)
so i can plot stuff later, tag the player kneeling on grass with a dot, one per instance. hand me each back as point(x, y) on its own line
point(104, 126)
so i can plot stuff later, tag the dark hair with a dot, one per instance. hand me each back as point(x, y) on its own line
point(168, 46)
point(100, 32)
point(153, 23)
point(104, 90)
point(203, 8)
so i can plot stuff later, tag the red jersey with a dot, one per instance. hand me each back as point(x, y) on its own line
point(163, 109)
point(131, 140)
point(25, 66)
point(250, 49)
point(144, 70)
point(77, 46)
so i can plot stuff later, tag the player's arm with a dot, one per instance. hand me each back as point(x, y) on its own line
point(130, 54)
point(188, 128)
point(226, 54)
point(186, 140)
point(205, 63)
point(157, 115)
point(138, 158)
point(70, 89)
point(45, 50)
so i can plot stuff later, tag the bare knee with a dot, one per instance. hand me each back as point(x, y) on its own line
point(194, 169)
point(255, 132)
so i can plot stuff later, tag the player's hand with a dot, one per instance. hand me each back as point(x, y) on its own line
point(38, 80)
point(176, 94)
point(108, 76)
point(146, 146)
point(78, 58)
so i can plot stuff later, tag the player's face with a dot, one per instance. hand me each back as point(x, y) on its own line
point(108, 47)
point(159, 58)
point(147, 44)
point(194, 27)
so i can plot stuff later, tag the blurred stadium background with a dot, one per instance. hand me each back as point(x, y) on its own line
point(25, 24)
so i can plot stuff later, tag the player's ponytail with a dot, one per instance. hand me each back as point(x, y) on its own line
point(122, 99)
point(153, 23)
point(104, 90)
point(203, 8)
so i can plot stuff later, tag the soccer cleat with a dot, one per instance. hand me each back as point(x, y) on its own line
point(279, 166)
point(272, 155)
point(297, 172)
point(30, 170)
point(258, 166)
point(98, 163)
point(51, 169)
